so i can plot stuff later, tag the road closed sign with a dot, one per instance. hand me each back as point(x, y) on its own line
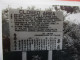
point(35, 30)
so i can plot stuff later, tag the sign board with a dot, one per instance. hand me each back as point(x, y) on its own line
point(35, 30)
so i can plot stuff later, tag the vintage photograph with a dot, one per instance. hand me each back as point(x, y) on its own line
point(35, 33)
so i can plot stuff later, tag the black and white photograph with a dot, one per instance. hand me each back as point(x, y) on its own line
point(41, 32)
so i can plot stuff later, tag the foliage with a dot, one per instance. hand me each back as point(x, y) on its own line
point(68, 9)
point(71, 39)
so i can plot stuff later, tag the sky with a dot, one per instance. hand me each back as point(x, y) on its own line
point(37, 3)
point(75, 18)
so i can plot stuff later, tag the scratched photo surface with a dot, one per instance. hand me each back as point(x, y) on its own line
point(46, 32)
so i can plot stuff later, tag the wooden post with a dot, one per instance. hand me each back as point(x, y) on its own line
point(24, 55)
point(50, 55)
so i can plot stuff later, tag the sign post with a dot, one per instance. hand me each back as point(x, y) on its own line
point(32, 30)
point(50, 55)
point(24, 55)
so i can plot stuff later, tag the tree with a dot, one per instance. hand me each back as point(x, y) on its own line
point(5, 31)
